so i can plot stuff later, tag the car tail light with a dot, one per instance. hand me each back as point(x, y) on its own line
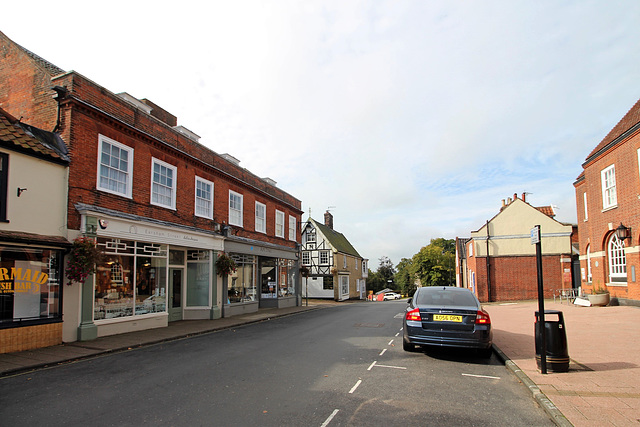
point(413, 315)
point(482, 318)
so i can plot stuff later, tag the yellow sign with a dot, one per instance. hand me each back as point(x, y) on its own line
point(21, 280)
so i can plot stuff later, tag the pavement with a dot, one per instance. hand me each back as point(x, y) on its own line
point(601, 388)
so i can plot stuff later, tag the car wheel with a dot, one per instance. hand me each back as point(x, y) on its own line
point(485, 353)
point(407, 346)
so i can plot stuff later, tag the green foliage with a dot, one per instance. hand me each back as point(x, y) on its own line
point(379, 279)
point(83, 257)
point(434, 265)
point(404, 278)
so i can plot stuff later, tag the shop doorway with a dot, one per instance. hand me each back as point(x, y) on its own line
point(175, 293)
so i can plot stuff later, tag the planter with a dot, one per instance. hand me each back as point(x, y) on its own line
point(599, 299)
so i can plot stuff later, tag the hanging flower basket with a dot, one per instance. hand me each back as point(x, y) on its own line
point(83, 258)
point(225, 265)
point(304, 271)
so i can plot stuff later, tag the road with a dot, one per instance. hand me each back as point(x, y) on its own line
point(338, 366)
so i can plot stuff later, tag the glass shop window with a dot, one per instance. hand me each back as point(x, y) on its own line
point(241, 283)
point(29, 284)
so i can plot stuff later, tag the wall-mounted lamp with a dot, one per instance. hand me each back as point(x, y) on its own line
point(21, 190)
point(623, 232)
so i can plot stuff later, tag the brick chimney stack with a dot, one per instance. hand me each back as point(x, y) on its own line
point(328, 219)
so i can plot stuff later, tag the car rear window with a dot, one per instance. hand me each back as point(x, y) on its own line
point(444, 298)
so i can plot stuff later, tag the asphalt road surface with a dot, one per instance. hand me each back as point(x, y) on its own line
point(338, 366)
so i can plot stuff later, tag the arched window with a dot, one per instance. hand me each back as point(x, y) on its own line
point(589, 276)
point(617, 260)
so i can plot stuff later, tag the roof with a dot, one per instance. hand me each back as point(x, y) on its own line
point(631, 119)
point(51, 69)
point(336, 239)
point(31, 140)
point(33, 239)
point(547, 210)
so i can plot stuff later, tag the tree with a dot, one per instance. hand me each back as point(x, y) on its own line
point(435, 263)
point(379, 279)
point(404, 277)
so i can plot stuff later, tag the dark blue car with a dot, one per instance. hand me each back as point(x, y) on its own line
point(446, 317)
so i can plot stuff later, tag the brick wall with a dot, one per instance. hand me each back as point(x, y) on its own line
point(516, 278)
point(30, 337)
point(596, 228)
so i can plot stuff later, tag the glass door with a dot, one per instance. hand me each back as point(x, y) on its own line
point(175, 293)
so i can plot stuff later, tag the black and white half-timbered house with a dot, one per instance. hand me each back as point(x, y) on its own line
point(336, 270)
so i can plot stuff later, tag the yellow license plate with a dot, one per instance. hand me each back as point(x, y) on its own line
point(446, 318)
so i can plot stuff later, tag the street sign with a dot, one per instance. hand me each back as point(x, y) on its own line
point(535, 235)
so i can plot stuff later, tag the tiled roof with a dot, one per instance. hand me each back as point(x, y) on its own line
point(547, 210)
point(630, 119)
point(337, 240)
point(52, 69)
point(25, 138)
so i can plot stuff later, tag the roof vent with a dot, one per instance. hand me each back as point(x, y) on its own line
point(186, 132)
point(135, 102)
point(228, 157)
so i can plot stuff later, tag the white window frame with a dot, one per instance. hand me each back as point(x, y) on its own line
point(306, 258)
point(279, 223)
point(586, 211)
point(172, 188)
point(292, 228)
point(235, 214)
point(128, 173)
point(324, 254)
point(261, 220)
point(617, 260)
point(608, 179)
point(207, 202)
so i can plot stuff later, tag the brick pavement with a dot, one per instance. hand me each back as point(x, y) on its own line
point(602, 387)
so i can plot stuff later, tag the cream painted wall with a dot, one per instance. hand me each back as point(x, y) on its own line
point(42, 208)
point(510, 233)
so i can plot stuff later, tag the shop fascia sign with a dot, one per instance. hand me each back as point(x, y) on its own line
point(22, 280)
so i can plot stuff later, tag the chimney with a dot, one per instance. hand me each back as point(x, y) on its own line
point(328, 219)
point(515, 196)
point(524, 197)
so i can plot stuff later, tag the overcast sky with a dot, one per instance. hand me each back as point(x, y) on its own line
point(412, 120)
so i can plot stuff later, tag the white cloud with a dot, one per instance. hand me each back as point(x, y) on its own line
point(413, 118)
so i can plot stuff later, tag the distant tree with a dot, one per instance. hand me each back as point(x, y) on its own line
point(374, 282)
point(404, 278)
point(435, 263)
point(379, 279)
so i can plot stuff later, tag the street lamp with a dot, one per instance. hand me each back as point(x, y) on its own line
point(623, 232)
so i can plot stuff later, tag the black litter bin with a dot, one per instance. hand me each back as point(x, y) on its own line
point(556, 339)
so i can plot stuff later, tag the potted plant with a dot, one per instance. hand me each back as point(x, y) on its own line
point(225, 265)
point(83, 257)
point(599, 296)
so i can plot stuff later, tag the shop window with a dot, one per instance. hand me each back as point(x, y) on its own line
point(617, 260)
point(198, 273)
point(131, 279)
point(204, 198)
point(286, 278)
point(163, 184)
point(279, 224)
point(268, 278)
point(261, 217)
point(327, 283)
point(241, 283)
point(29, 284)
point(115, 167)
point(4, 182)
point(235, 208)
point(292, 228)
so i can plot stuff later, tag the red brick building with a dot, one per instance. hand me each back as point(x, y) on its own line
point(607, 198)
point(499, 262)
point(161, 205)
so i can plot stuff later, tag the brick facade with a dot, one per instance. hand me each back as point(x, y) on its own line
point(619, 148)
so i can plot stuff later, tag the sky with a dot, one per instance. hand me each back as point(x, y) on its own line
point(407, 120)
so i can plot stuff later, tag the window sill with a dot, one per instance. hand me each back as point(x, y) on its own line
point(609, 208)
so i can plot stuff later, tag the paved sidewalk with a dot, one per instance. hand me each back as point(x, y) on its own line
point(602, 387)
point(13, 363)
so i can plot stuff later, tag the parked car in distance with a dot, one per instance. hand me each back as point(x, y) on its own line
point(446, 316)
point(391, 295)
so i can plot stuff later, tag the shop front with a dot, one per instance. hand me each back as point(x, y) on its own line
point(30, 292)
point(150, 274)
point(266, 276)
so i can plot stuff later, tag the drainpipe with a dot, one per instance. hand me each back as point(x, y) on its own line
point(488, 267)
point(61, 93)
